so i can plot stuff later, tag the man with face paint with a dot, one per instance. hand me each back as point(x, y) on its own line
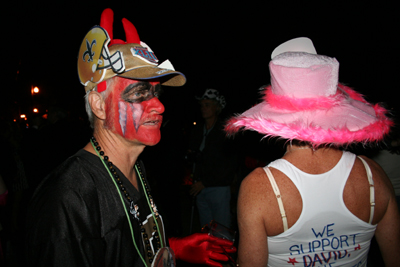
point(96, 209)
point(134, 105)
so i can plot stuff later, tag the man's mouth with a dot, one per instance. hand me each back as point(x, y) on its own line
point(156, 122)
point(152, 122)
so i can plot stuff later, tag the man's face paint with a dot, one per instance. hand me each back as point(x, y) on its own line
point(134, 111)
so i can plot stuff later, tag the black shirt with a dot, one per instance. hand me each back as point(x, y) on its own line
point(216, 163)
point(76, 217)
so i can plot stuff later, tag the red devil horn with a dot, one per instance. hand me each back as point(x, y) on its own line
point(130, 32)
point(106, 21)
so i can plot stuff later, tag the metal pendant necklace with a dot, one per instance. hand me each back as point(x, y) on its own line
point(133, 207)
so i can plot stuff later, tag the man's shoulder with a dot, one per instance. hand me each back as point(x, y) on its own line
point(77, 178)
point(76, 171)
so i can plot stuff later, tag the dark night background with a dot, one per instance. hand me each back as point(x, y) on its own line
point(216, 45)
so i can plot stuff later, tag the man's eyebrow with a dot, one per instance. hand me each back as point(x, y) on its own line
point(132, 86)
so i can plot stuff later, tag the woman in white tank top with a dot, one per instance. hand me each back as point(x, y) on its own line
point(317, 205)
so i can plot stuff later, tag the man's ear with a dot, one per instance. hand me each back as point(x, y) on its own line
point(97, 105)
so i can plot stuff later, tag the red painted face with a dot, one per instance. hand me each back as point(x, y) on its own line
point(134, 111)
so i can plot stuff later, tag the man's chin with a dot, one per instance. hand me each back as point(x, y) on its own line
point(148, 141)
point(152, 144)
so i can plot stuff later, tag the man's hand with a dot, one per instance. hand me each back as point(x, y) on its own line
point(196, 188)
point(202, 248)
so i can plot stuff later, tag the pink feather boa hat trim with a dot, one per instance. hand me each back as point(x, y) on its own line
point(321, 102)
point(312, 133)
point(300, 129)
point(313, 107)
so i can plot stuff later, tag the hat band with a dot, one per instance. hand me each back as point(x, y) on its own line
point(303, 104)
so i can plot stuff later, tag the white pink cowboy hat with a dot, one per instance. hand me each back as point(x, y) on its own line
point(305, 102)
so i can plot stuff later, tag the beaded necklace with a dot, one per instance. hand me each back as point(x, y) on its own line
point(133, 208)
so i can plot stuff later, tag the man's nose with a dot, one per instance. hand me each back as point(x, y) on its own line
point(155, 104)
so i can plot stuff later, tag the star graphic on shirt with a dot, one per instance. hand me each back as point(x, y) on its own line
point(358, 247)
point(292, 261)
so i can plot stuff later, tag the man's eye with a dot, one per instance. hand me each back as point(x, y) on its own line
point(139, 94)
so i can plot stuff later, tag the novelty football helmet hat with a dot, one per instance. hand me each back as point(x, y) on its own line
point(94, 57)
point(102, 57)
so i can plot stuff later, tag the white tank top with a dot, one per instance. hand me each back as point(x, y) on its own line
point(326, 233)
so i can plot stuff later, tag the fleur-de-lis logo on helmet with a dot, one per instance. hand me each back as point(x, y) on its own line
point(88, 51)
point(94, 57)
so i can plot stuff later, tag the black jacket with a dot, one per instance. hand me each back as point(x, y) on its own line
point(215, 165)
point(76, 218)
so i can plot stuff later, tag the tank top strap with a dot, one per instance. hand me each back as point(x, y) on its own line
point(278, 197)
point(371, 189)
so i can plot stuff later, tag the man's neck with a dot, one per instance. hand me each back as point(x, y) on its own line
point(210, 122)
point(122, 153)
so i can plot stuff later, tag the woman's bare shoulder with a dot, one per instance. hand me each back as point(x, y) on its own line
point(384, 192)
point(378, 174)
point(254, 182)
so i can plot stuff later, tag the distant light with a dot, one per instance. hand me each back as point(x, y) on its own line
point(35, 110)
point(194, 123)
point(23, 116)
point(36, 90)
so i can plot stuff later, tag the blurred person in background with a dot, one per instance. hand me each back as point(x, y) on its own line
point(214, 162)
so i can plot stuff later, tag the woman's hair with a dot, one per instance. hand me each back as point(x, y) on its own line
point(299, 143)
